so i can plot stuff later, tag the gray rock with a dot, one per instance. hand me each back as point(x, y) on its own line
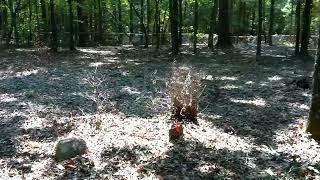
point(69, 148)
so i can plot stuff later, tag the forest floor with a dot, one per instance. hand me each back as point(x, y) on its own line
point(250, 126)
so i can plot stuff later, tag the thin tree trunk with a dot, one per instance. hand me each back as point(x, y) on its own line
point(120, 37)
point(306, 27)
point(38, 19)
point(131, 21)
point(141, 19)
point(157, 22)
point(212, 23)
point(71, 29)
point(252, 21)
point(82, 24)
point(195, 26)
point(54, 37)
point(291, 17)
point(224, 40)
point(298, 15)
point(148, 20)
point(44, 26)
point(180, 22)
point(259, 35)
point(100, 30)
point(271, 22)
point(173, 13)
point(30, 23)
point(313, 125)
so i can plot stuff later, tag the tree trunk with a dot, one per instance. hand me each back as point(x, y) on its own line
point(82, 24)
point(271, 22)
point(306, 27)
point(224, 40)
point(120, 37)
point(30, 23)
point(259, 35)
point(212, 23)
point(157, 21)
point(54, 38)
point(252, 32)
point(131, 20)
point(4, 23)
point(148, 20)
point(313, 125)
point(291, 17)
point(71, 29)
point(195, 26)
point(38, 19)
point(263, 20)
point(298, 14)
point(141, 19)
point(245, 20)
point(180, 22)
point(44, 26)
point(173, 14)
point(100, 30)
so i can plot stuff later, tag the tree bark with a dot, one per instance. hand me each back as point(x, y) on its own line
point(195, 26)
point(252, 32)
point(213, 23)
point(271, 16)
point(306, 28)
point(180, 22)
point(157, 21)
point(313, 125)
point(30, 23)
point(131, 20)
point(120, 27)
point(71, 29)
point(44, 24)
point(100, 23)
point(54, 36)
point(224, 40)
point(298, 15)
point(82, 24)
point(141, 19)
point(259, 35)
point(173, 14)
point(148, 19)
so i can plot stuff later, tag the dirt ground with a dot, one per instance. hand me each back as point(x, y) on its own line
point(250, 124)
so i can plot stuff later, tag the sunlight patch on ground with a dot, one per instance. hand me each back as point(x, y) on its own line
point(275, 78)
point(7, 98)
point(206, 167)
point(93, 51)
point(229, 87)
point(256, 102)
point(249, 82)
point(96, 64)
point(130, 90)
point(305, 94)
point(229, 78)
point(208, 77)
point(299, 106)
point(111, 60)
point(27, 73)
point(277, 55)
point(26, 50)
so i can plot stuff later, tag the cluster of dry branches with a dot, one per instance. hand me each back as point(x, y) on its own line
point(185, 89)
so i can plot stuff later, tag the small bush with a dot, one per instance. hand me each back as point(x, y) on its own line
point(185, 89)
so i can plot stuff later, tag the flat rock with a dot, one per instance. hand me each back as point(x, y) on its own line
point(69, 148)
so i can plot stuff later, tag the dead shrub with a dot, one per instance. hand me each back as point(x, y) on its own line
point(185, 89)
point(42, 52)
